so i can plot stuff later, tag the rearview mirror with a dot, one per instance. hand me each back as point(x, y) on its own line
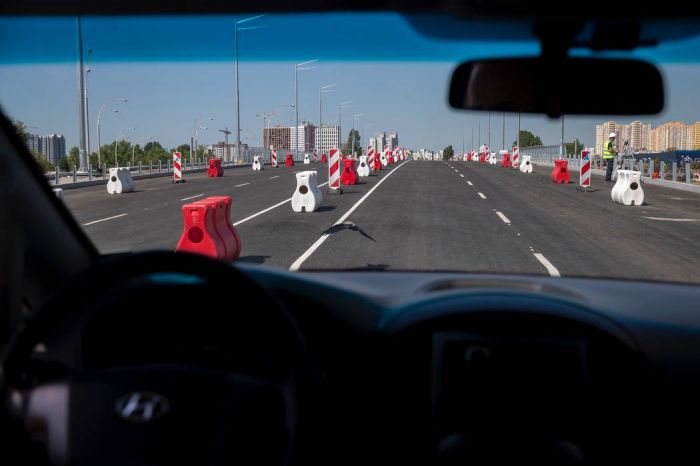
point(574, 86)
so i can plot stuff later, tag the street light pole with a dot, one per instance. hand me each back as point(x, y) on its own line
point(518, 129)
point(489, 139)
point(354, 116)
point(87, 110)
point(341, 106)
point(296, 103)
point(82, 156)
point(322, 90)
point(503, 141)
point(99, 114)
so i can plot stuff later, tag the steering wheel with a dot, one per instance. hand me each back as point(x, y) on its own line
point(154, 414)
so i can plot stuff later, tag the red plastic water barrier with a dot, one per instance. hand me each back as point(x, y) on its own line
point(208, 229)
point(377, 163)
point(324, 158)
point(560, 172)
point(505, 163)
point(349, 175)
point(289, 161)
point(391, 159)
point(655, 176)
point(482, 157)
point(215, 169)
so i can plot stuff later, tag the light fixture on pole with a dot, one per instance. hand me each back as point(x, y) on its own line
point(341, 106)
point(322, 90)
point(299, 67)
point(99, 115)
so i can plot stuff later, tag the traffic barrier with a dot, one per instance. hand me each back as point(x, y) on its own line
point(307, 197)
point(371, 158)
point(177, 168)
point(215, 169)
point(384, 159)
point(363, 168)
point(560, 172)
point(655, 176)
point(307, 159)
point(315, 157)
point(585, 170)
point(492, 158)
point(234, 246)
point(120, 181)
point(58, 192)
point(516, 157)
point(474, 156)
point(482, 157)
point(324, 159)
point(257, 166)
point(200, 235)
point(628, 188)
point(289, 161)
point(505, 159)
point(526, 164)
point(349, 176)
point(334, 172)
point(223, 227)
point(273, 157)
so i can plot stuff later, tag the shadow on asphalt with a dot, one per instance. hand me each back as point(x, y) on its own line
point(253, 259)
point(371, 267)
point(325, 208)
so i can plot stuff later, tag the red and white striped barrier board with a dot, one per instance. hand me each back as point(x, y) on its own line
point(273, 157)
point(370, 157)
point(315, 157)
point(585, 171)
point(516, 157)
point(177, 167)
point(334, 169)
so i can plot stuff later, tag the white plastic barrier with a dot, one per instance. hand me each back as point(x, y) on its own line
point(384, 159)
point(307, 159)
point(475, 157)
point(58, 192)
point(257, 166)
point(120, 181)
point(307, 197)
point(363, 168)
point(525, 164)
point(628, 188)
point(492, 158)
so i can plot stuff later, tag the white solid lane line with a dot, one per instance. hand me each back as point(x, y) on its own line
point(503, 217)
point(470, 183)
point(191, 197)
point(461, 175)
point(547, 265)
point(664, 219)
point(273, 177)
point(481, 195)
point(239, 185)
point(297, 263)
point(103, 219)
point(269, 209)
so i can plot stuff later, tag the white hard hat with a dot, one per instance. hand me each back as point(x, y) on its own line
point(612, 135)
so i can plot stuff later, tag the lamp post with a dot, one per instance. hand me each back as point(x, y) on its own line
point(193, 149)
point(99, 115)
point(341, 106)
point(354, 117)
point(299, 67)
point(322, 90)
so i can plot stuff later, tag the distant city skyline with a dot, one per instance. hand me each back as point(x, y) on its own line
point(641, 136)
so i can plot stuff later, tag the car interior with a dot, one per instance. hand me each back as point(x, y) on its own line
point(343, 367)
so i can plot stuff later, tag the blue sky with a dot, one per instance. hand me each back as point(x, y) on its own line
point(175, 69)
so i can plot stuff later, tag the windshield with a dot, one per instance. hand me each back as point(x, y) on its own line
point(138, 121)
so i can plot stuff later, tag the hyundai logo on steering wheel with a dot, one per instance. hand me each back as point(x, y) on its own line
point(142, 406)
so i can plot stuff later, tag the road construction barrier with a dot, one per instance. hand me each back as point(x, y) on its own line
point(215, 169)
point(628, 188)
point(222, 224)
point(324, 158)
point(307, 197)
point(273, 157)
point(384, 159)
point(516, 157)
point(482, 157)
point(371, 158)
point(120, 181)
point(177, 168)
point(307, 159)
point(233, 247)
point(505, 159)
point(200, 235)
point(334, 171)
point(363, 168)
point(492, 158)
point(349, 176)
point(257, 165)
point(585, 169)
point(315, 157)
point(526, 164)
point(560, 172)
point(289, 161)
point(58, 192)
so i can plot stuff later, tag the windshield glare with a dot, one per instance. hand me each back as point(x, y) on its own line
point(325, 142)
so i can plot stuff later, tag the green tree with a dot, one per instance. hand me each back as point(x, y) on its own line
point(44, 164)
point(72, 159)
point(447, 152)
point(20, 128)
point(527, 139)
point(573, 147)
point(354, 136)
point(184, 149)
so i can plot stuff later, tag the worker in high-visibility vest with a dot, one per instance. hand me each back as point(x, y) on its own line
point(609, 154)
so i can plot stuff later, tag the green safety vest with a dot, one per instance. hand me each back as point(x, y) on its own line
point(609, 151)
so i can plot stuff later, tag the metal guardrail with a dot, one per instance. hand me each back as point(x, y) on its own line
point(57, 177)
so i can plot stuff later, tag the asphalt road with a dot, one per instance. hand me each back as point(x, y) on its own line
point(418, 215)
